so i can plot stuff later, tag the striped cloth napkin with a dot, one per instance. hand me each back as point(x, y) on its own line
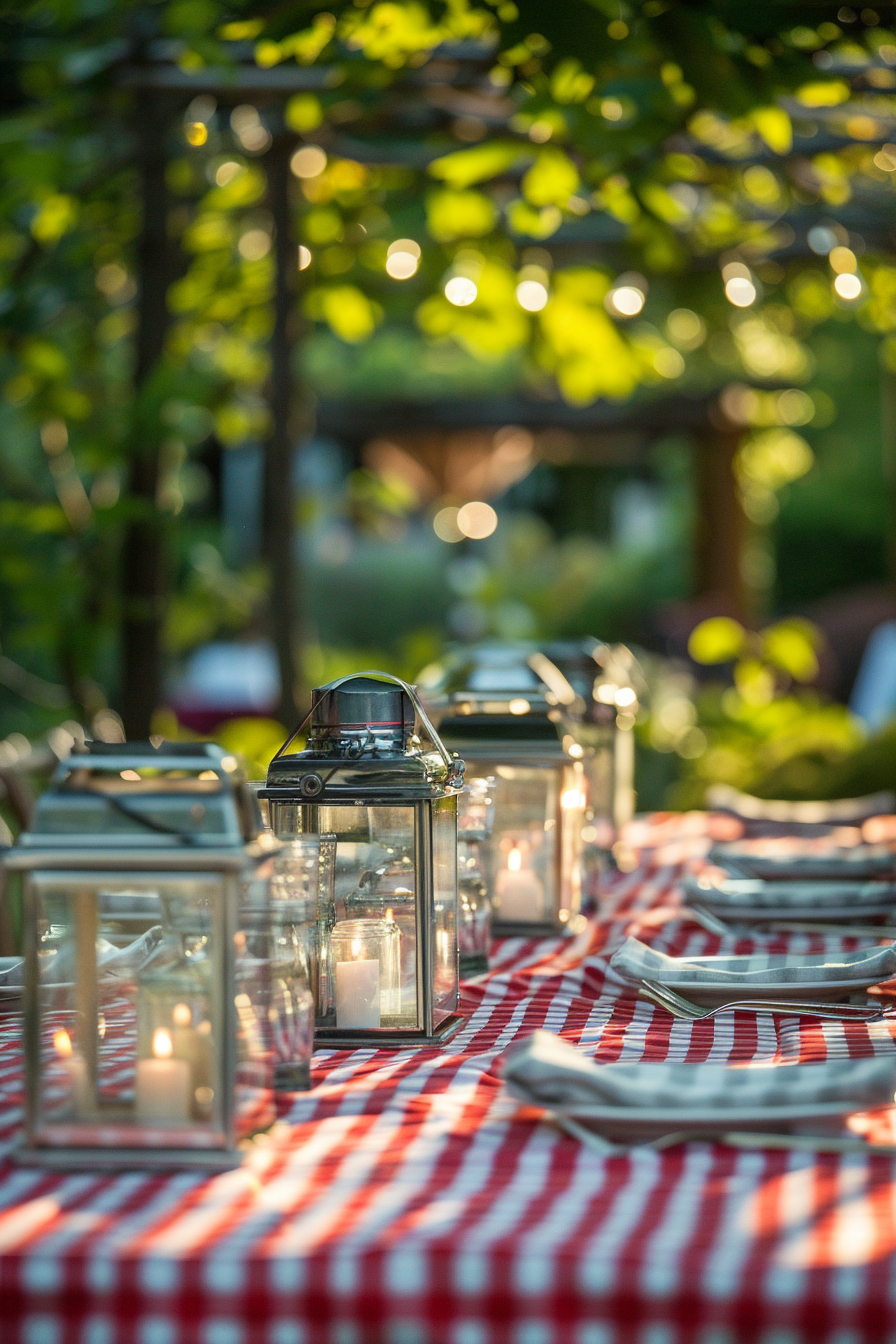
point(847, 864)
point(543, 1070)
point(736, 893)
point(636, 961)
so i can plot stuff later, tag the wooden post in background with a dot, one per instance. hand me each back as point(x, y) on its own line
point(143, 554)
point(278, 498)
point(888, 448)
point(721, 525)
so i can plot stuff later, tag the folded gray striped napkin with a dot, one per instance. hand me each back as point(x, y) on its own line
point(543, 1070)
point(738, 892)
point(848, 864)
point(637, 961)
point(726, 799)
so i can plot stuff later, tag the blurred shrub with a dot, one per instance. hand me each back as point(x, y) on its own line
point(768, 733)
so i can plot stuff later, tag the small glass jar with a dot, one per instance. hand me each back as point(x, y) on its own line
point(366, 961)
point(475, 819)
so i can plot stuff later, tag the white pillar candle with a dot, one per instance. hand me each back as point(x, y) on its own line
point(164, 1084)
point(520, 891)
point(357, 994)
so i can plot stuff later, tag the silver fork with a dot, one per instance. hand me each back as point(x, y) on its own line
point(679, 1006)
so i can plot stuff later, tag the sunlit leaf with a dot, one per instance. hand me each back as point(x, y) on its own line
point(465, 167)
point(791, 646)
point(719, 639)
point(552, 179)
point(773, 125)
point(459, 214)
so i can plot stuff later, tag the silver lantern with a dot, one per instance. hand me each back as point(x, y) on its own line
point(375, 776)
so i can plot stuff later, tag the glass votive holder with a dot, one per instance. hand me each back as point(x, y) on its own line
point(366, 955)
point(476, 808)
point(302, 899)
point(474, 919)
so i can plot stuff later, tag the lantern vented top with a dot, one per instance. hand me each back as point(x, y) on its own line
point(362, 715)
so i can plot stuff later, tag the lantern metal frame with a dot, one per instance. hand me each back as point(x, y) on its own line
point(488, 724)
point(229, 866)
point(239, 810)
point(414, 779)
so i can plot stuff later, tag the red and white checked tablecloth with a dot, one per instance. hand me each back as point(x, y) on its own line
point(408, 1200)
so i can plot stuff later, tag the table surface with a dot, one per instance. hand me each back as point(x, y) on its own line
point(407, 1199)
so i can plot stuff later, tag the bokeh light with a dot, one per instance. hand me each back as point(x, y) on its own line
point(626, 300)
point(848, 286)
point(740, 288)
point(309, 161)
point(668, 363)
point(461, 291)
point(226, 172)
point(403, 259)
point(254, 244)
point(531, 295)
point(685, 329)
point(843, 260)
point(477, 520)
point(304, 257)
point(444, 524)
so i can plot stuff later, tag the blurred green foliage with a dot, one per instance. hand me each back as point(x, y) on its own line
point(768, 733)
point(636, 144)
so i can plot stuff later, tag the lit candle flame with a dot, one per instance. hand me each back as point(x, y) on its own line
point(162, 1046)
point(357, 949)
point(62, 1044)
point(515, 860)
point(390, 919)
point(182, 1015)
point(101, 1026)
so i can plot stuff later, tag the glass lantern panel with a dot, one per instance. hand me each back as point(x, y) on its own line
point(525, 857)
point(374, 887)
point(284, 954)
point(444, 865)
point(129, 1046)
point(574, 803)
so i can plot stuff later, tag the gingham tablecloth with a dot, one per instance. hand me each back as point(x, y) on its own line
point(408, 1200)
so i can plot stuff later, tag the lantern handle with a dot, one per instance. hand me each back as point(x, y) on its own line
point(397, 681)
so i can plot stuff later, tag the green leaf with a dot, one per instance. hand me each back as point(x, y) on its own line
point(459, 214)
point(717, 640)
point(479, 164)
point(552, 179)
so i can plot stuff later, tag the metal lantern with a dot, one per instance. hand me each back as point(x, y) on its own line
point(147, 1039)
point(375, 776)
point(609, 687)
point(510, 713)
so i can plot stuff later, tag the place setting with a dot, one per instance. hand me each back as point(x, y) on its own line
point(615, 1108)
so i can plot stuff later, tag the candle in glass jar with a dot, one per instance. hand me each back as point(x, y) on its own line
point(164, 1084)
point(74, 1066)
point(519, 890)
point(194, 1045)
point(357, 991)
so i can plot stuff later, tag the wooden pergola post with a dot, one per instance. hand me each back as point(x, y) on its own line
point(278, 499)
point(720, 524)
point(143, 556)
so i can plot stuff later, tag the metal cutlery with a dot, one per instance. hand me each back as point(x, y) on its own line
point(679, 1006)
point(801, 1143)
